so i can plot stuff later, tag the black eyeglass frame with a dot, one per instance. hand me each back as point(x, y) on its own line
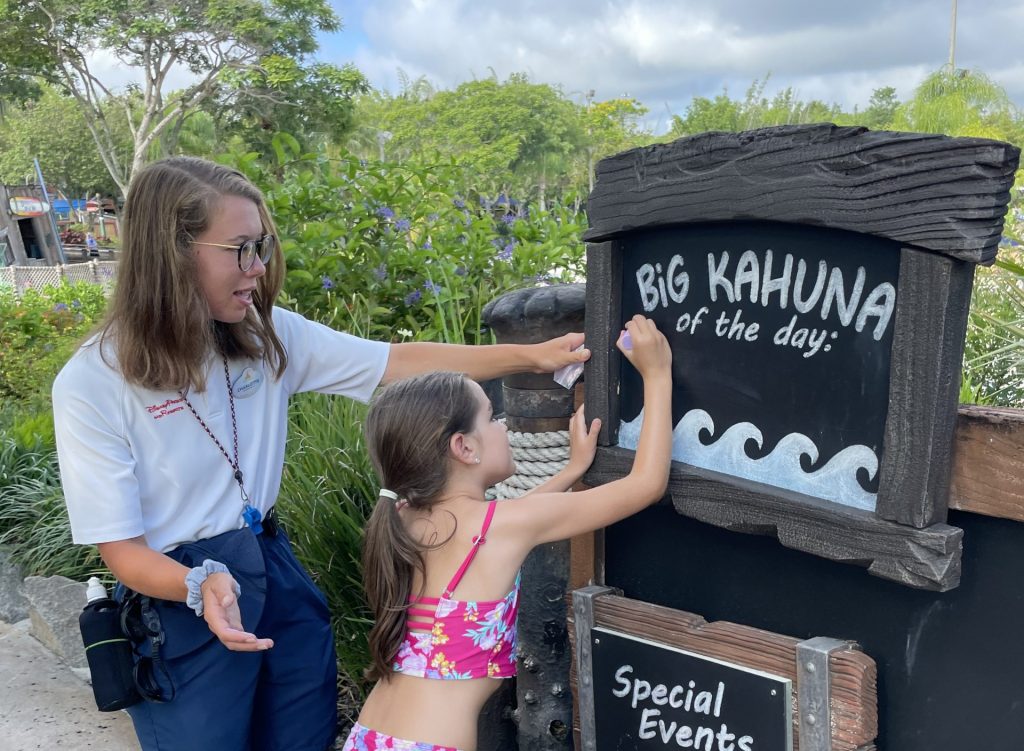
point(262, 249)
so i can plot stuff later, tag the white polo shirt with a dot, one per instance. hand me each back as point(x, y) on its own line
point(137, 462)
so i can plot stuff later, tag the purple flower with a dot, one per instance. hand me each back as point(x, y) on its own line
point(429, 286)
point(326, 283)
point(385, 213)
point(60, 307)
point(433, 216)
point(498, 243)
point(509, 219)
point(402, 225)
point(460, 271)
point(427, 245)
point(458, 203)
point(505, 254)
point(76, 304)
point(413, 297)
point(381, 273)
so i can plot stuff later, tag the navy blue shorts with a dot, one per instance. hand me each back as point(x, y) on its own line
point(283, 698)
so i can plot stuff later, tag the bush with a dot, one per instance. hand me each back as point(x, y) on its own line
point(34, 524)
point(327, 492)
point(414, 243)
point(40, 332)
point(994, 350)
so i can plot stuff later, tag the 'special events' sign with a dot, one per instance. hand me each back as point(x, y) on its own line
point(652, 696)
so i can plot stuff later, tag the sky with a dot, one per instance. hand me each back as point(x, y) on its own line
point(665, 52)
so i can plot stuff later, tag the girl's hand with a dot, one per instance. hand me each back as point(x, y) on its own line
point(582, 441)
point(220, 609)
point(649, 351)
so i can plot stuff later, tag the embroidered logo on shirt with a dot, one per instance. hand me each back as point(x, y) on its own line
point(247, 383)
point(168, 407)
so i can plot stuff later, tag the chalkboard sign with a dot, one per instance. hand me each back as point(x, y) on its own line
point(781, 339)
point(814, 282)
point(651, 696)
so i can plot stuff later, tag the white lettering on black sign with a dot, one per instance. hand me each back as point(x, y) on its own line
point(650, 692)
point(782, 338)
point(750, 280)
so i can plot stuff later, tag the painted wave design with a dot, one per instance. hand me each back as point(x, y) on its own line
point(836, 481)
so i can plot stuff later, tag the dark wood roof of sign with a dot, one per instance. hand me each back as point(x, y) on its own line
point(947, 195)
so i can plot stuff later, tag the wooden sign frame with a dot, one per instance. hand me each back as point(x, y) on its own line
point(834, 685)
point(942, 199)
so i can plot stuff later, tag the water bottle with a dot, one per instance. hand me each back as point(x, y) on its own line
point(108, 650)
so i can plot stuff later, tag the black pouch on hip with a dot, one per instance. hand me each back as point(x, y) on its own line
point(109, 653)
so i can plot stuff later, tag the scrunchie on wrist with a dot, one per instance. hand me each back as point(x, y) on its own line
point(194, 581)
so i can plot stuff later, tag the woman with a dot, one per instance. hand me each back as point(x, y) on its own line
point(171, 426)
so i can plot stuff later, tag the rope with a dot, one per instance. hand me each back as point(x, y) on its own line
point(538, 457)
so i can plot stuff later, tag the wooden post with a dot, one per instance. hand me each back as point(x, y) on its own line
point(535, 403)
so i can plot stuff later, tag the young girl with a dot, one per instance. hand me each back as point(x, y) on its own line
point(445, 602)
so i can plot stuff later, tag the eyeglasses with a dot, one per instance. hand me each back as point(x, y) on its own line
point(249, 250)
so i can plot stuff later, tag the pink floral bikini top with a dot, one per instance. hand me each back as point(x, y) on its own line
point(453, 639)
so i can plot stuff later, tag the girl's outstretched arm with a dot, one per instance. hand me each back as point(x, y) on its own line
point(545, 517)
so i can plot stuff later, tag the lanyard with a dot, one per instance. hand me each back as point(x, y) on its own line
point(250, 514)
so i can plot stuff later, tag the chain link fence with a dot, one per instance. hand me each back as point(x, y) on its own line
point(21, 278)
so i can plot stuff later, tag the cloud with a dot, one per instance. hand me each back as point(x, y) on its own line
point(664, 52)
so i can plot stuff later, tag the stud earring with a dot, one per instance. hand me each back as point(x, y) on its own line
point(476, 459)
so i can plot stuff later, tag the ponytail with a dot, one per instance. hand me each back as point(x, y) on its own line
point(390, 559)
point(408, 428)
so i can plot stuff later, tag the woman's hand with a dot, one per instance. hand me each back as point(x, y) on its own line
point(648, 351)
point(556, 353)
point(582, 441)
point(220, 609)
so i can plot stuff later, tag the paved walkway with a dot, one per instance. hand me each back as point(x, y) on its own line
point(44, 705)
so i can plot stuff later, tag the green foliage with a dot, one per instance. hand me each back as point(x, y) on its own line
point(755, 111)
point(327, 493)
point(959, 103)
point(39, 333)
point(994, 350)
point(208, 37)
point(314, 103)
point(67, 154)
point(34, 524)
point(516, 136)
point(413, 244)
point(881, 109)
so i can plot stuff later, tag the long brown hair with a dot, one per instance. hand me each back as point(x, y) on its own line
point(159, 320)
point(408, 429)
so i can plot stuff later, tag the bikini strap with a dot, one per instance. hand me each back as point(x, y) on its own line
point(478, 540)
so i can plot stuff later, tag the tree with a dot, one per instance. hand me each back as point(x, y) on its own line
point(703, 115)
point(754, 111)
point(959, 103)
point(515, 134)
point(67, 154)
point(315, 104)
point(56, 39)
point(881, 109)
